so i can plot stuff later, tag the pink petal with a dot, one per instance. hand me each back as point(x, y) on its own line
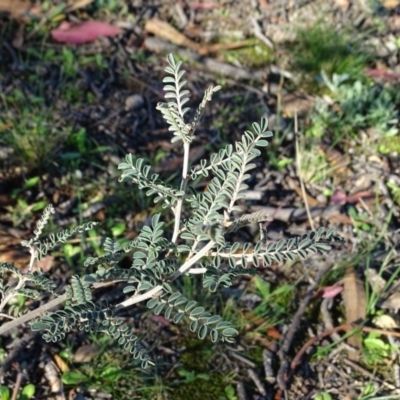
point(329, 292)
point(83, 32)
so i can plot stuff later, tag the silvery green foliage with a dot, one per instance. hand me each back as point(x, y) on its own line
point(198, 243)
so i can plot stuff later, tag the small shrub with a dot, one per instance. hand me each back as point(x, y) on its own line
point(197, 244)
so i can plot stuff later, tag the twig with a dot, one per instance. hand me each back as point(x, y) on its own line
point(329, 332)
point(267, 363)
point(287, 342)
point(17, 386)
point(259, 34)
point(298, 163)
point(241, 391)
point(45, 307)
point(257, 381)
point(368, 374)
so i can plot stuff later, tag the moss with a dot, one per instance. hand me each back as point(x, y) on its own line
point(200, 389)
point(390, 144)
point(257, 54)
point(197, 354)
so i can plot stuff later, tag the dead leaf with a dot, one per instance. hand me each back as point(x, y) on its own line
point(273, 333)
point(328, 292)
point(385, 322)
point(204, 6)
point(83, 32)
point(166, 31)
point(343, 4)
point(296, 103)
point(392, 302)
point(52, 375)
point(77, 4)
point(86, 353)
point(389, 3)
point(339, 197)
point(355, 306)
point(18, 39)
point(22, 10)
point(375, 280)
point(61, 364)
point(293, 185)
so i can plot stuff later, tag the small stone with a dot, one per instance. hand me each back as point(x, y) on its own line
point(134, 102)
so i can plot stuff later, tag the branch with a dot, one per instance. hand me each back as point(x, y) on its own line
point(155, 290)
point(45, 307)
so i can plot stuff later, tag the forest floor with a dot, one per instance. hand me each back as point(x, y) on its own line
point(326, 74)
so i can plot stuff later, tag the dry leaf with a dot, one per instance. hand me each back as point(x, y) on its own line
point(329, 292)
point(20, 9)
point(390, 3)
point(166, 31)
point(385, 322)
point(83, 32)
point(52, 374)
point(355, 306)
point(343, 4)
point(86, 353)
point(392, 302)
point(293, 185)
point(77, 4)
point(375, 280)
point(296, 103)
point(61, 364)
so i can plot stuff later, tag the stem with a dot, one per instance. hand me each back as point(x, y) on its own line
point(12, 293)
point(42, 309)
point(133, 300)
point(31, 315)
point(154, 291)
point(178, 208)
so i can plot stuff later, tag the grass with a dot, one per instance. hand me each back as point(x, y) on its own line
point(323, 47)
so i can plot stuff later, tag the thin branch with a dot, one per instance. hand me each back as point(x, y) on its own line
point(288, 340)
point(42, 309)
point(298, 163)
point(185, 179)
point(155, 290)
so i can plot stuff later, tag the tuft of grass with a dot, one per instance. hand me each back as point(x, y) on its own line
point(322, 47)
point(31, 129)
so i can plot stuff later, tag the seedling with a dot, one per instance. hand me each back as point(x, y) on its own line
point(197, 244)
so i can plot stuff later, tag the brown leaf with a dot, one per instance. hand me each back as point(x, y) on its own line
point(20, 9)
point(166, 31)
point(355, 305)
point(293, 185)
point(86, 353)
point(389, 3)
point(61, 364)
point(385, 322)
point(343, 4)
point(296, 103)
point(392, 302)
